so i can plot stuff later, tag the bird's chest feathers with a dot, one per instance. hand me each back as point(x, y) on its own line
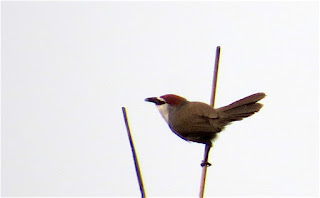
point(164, 111)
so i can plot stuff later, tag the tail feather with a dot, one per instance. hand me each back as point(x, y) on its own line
point(247, 100)
point(240, 109)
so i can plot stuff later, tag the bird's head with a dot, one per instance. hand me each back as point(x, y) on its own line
point(166, 104)
point(171, 99)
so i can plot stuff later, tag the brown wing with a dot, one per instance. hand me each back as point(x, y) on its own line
point(194, 117)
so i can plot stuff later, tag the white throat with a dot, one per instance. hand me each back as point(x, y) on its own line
point(164, 111)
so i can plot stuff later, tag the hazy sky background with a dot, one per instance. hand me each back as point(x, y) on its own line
point(69, 67)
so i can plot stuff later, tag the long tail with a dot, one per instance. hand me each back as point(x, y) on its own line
point(240, 109)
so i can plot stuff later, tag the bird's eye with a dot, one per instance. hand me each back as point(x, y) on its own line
point(160, 102)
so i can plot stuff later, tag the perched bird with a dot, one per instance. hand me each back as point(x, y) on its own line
point(199, 122)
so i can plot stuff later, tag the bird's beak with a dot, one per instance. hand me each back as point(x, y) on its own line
point(153, 99)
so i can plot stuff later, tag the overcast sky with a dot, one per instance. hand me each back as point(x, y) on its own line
point(69, 67)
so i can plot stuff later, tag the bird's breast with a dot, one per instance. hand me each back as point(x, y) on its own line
point(164, 111)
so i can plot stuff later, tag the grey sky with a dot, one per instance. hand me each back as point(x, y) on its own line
point(69, 67)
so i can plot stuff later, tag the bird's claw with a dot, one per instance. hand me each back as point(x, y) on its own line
point(207, 164)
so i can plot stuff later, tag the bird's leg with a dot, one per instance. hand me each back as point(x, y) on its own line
point(206, 155)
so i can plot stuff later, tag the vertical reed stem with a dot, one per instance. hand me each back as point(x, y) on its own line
point(205, 163)
point(134, 154)
point(215, 77)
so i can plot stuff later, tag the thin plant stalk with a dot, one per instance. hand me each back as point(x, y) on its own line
point(205, 163)
point(134, 154)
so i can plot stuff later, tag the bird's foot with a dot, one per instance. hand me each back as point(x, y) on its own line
point(207, 164)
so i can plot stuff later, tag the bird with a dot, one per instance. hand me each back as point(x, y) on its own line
point(199, 122)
